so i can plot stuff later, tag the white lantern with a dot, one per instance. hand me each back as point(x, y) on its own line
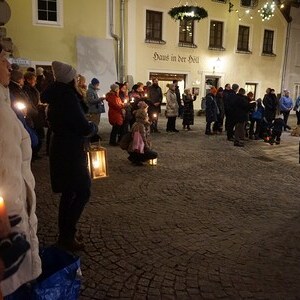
point(97, 162)
point(153, 162)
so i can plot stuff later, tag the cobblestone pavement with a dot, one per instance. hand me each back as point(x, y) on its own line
point(210, 221)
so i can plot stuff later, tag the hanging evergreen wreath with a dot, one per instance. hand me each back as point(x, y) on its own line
point(189, 13)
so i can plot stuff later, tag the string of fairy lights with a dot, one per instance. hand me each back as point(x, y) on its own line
point(266, 12)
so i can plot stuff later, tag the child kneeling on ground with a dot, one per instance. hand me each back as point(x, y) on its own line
point(139, 147)
point(277, 126)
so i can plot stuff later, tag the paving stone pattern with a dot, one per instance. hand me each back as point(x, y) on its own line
point(210, 221)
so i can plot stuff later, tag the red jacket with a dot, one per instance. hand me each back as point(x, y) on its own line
point(115, 105)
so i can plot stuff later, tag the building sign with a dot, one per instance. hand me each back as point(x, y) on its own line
point(176, 58)
point(22, 62)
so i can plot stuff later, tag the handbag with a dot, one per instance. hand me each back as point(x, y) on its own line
point(138, 143)
point(101, 107)
point(257, 115)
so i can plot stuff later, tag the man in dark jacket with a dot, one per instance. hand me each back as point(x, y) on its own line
point(229, 100)
point(68, 161)
point(271, 103)
point(240, 116)
point(155, 100)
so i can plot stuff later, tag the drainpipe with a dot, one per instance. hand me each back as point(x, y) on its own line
point(287, 42)
point(114, 36)
point(122, 40)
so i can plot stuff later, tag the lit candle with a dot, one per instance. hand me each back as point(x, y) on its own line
point(4, 221)
point(20, 105)
point(154, 115)
point(146, 95)
point(125, 101)
point(132, 99)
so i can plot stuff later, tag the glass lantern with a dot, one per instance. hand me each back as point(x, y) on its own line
point(97, 162)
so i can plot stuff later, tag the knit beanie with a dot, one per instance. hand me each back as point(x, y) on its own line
point(95, 81)
point(114, 87)
point(62, 72)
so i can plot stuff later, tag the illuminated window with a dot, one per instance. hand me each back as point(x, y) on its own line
point(186, 33)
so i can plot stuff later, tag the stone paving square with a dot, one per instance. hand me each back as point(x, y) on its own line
point(210, 221)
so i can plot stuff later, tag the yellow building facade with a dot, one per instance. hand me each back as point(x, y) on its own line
point(196, 65)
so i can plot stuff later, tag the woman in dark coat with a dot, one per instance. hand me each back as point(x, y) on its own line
point(188, 109)
point(211, 110)
point(68, 160)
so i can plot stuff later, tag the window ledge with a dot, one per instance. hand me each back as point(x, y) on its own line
point(187, 45)
point(243, 51)
point(268, 54)
point(216, 48)
point(150, 41)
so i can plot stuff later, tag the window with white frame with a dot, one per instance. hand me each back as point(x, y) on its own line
point(47, 12)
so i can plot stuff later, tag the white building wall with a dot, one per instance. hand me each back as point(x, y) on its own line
point(265, 71)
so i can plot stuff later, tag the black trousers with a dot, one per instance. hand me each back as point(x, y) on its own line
point(171, 124)
point(142, 157)
point(116, 134)
point(229, 126)
point(285, 117)
point(70, 209)
point(298, 117)
point(276, 135)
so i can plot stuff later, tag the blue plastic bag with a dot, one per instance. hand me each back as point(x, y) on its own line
point(59, 279)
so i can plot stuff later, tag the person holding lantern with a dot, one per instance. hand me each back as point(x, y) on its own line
point(16, 184)
point(68, 160)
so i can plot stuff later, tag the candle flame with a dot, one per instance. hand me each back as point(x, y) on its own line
point(20, 105)
point(96, 164)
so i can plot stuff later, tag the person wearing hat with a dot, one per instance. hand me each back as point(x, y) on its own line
point(68, 164)
point(285, 106)
point(17, 190)
point(115, 114)
point(95, 103)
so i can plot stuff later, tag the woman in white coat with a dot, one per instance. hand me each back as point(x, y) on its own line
point(171, 108)
point(17, 183)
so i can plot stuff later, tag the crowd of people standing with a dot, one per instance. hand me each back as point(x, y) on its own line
point(71, 110)
point(247, 118)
